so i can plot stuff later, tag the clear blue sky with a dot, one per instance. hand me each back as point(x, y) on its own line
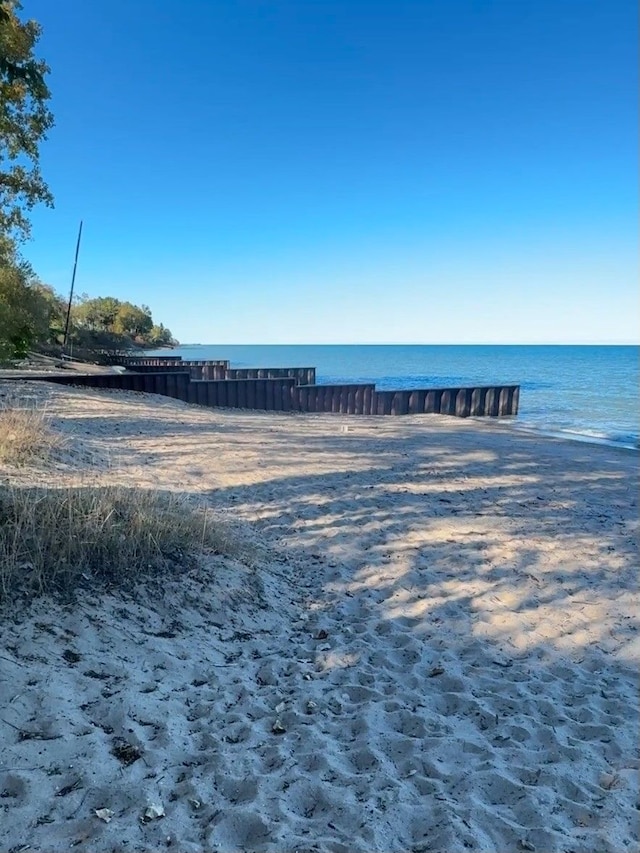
point(347, 171)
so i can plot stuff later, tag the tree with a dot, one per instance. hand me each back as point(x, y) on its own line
point(33, 317)
point(106, 323)
point(24, 121)
point(97, 315)
point(56, 309)
point(134, 322)
point(25, 313)
point(160, 336)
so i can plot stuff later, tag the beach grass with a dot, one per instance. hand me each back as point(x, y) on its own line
point(60, 538)
point(25, 433)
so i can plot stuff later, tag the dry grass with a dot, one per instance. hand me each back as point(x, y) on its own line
point(25, 433)
point(61, 538)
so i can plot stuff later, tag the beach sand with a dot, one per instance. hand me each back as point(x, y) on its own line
point(434, 647)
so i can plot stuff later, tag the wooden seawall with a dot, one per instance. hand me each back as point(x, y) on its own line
point(220, 371)
point(271, 395)
point(289, 390)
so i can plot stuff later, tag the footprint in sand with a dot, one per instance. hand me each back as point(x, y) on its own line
point(237, 790)
point(240, 829)
point(359, 695)
point(364, 760)
point(426, 787)
point(271, 758)
point(406, 723)
point(404, 657)
point(397, 748)
point(310, 800)
point(312, 762)
point(367, 677)
point(455, 704)
point(445, 683)
point(13, 789)
point(518, 734)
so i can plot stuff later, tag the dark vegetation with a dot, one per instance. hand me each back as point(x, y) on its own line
point(33, 317)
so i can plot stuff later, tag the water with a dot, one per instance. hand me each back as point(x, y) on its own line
point(589, 393)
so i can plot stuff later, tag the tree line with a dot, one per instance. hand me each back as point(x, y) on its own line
point(32, 315)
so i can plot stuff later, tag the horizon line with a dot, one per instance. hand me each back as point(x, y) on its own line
point(410, 343)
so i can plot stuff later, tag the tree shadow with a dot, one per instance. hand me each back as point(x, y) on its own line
point(470, 623)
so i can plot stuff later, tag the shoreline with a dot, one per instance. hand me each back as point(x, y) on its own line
point(571, 386)
point(563, 434)
point(435, 648)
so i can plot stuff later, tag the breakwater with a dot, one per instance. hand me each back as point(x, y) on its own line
point(287, 389)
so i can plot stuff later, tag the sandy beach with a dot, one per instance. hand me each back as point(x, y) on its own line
point(432, 645)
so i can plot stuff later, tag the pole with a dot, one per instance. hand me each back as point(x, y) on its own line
point(73, 281)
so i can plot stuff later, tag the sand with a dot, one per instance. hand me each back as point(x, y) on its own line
point(434, 648)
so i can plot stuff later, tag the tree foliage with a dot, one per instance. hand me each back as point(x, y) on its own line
point(27, 312)
point(108, 323)
point(33, 317)
point(24, 121)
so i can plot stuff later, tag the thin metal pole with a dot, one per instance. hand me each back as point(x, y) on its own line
point(73, 281)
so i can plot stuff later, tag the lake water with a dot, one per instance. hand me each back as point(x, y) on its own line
point(588, 393)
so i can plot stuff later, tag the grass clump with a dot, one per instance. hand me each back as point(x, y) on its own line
point(58, 539)
point(25, 434)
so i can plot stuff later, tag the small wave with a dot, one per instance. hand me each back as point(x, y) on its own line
point(628, 441)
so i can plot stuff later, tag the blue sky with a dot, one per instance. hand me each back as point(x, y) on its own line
point(314, 171)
